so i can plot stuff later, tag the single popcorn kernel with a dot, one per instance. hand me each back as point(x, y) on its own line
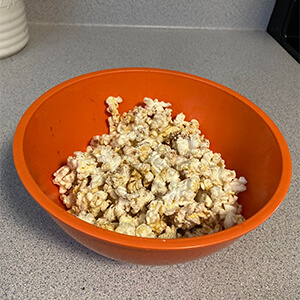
point(152, 176)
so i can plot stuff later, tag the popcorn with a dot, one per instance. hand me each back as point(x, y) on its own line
point(127, 225)
point(170, 233)
point(182, 146)
point(64, 178)
point(152, 176)
point(144, 230)
point(87, 217)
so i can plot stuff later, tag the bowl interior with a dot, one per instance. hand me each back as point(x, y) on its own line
point(70, 114)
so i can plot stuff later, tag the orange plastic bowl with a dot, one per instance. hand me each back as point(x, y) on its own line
point(65, 118)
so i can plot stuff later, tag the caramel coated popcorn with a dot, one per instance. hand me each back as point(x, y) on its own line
point(151, 176)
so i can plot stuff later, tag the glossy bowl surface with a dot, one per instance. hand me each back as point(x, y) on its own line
point(65, 118)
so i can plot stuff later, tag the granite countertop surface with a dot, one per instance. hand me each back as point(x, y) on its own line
point(39, 261)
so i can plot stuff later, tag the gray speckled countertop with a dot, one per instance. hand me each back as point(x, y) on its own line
point(39, 261)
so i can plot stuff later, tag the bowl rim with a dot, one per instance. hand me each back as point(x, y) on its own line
point(149, 243)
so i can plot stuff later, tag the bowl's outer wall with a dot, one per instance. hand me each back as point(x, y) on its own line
point(140, 256)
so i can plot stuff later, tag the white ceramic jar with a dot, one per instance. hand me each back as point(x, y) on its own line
point(13, 27)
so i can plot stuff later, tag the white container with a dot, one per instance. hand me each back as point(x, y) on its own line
point(13, 27)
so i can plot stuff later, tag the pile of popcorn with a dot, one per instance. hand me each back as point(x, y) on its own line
point(151, 176)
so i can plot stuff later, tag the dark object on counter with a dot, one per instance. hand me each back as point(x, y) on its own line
point(284, 26)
